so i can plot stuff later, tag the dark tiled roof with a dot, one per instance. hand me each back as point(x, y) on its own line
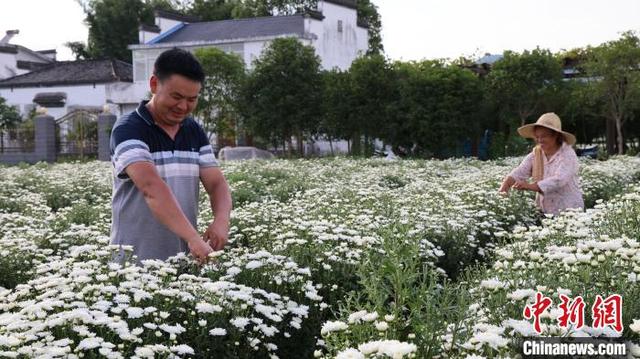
point(50, 99)
point(237, 29)
point(314, 14)
point(8, 49)
point(29, 65)
point(149, 28)
point(73, 73)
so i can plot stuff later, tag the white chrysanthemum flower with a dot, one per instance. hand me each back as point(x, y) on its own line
point(520, 294)
point(382, 326)
point(370, 317)
point(134, 312)
point(218, 332)
point(350, 353)
point(492, 284)
point(182, 349)
point(335, 326)
point(240, 322)
point(145, 352)
point(357, 316)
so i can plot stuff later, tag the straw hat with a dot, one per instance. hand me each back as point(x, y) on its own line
point(551, 121)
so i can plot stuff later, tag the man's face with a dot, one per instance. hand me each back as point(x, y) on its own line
point(174, 98)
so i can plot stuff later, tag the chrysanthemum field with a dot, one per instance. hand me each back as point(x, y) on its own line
point(327, 258)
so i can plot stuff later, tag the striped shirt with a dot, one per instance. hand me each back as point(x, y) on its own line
point(136, 138)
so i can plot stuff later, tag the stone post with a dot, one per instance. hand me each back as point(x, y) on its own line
point(106, 120)
point(45, 137)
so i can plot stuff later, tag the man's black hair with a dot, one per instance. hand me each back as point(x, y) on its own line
point(178, 62)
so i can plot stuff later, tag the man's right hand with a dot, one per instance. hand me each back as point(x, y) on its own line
point(199, 249)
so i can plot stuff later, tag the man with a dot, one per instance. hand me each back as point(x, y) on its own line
point(159, 155)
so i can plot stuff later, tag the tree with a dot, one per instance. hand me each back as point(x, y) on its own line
point(113, 25)
point(614, 74)
point(336, 106)
point(9, 118)
point(373, 94)
point(218, 103)
point(211, 10)
point(79, 50)
point(368, 13)
point(438, 106)
point(281, 96)
point(522, 83)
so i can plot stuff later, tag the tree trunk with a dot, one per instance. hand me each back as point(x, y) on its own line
point(619, 137)
point(367, 146)
point(331, 147)
point(300, 143)
point(611, 137)
point(290, 143)
point(355, 145)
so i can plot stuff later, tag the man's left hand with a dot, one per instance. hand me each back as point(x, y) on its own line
point(217, 234)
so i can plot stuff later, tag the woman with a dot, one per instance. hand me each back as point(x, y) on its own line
point(553, 166)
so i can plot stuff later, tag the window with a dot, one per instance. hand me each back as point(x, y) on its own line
point(339, 25)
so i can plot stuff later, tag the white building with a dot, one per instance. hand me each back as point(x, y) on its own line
point(18, 60)
point(63, 87)
point(332, 29)
point(66, 86)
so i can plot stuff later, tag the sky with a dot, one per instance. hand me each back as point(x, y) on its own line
point(411, 29)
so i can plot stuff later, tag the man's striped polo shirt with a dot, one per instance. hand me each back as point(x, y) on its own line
point(136, 138)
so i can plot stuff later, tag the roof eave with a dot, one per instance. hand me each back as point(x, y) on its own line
point(61, 83)
point(214, 42)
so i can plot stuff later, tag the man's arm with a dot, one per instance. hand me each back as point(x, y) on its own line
point(165, 207)
point(220, 197)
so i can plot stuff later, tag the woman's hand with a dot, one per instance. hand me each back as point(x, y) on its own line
point(506, 185)
point(525, 186)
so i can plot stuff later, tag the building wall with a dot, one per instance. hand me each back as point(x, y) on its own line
point(26, 56)
point(7, 65)
point(119, 95)
point(146, 36)
point(338, 48)
point(166, 24)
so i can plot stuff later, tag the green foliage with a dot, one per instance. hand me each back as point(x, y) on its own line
point(281, 96)
point(83, 132)
point(79, 50)
point(9, 118)
point(613, 76)
point(368, 13)
point(522, 84)
point(373, 93)
point(113, 25)
point(218, 103)
point(336, 105)
point(438, 106)
point(503, 145)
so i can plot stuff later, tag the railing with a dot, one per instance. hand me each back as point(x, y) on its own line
point(17, 140)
